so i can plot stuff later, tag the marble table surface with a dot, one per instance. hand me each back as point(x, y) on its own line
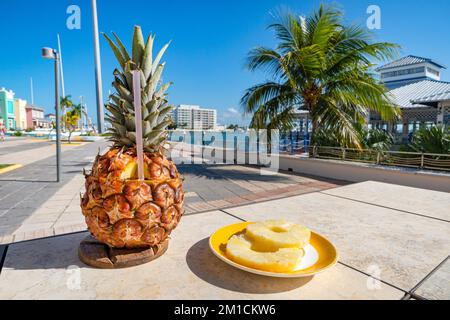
point(387, 250)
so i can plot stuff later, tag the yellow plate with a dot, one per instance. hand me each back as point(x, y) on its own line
point(320, 255)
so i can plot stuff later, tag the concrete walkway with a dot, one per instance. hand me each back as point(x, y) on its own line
point(386, 251)
point(33, 206)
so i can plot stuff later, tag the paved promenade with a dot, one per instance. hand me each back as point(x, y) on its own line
point(32, 205)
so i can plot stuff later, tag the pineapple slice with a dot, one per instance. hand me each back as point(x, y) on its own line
point(240, 250)
point(130, 171)
point(272, 235)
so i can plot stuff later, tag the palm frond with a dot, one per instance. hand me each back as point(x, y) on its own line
point(325, 65)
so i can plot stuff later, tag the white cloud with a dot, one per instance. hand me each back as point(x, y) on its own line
point(233, 115)
point(232, 111)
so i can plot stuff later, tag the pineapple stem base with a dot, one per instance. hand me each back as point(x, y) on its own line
point(99, 255)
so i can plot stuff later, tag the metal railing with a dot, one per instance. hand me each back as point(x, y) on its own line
point(389, 158)
point(293, 148)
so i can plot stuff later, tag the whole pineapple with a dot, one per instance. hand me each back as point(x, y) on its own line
point(120, 210)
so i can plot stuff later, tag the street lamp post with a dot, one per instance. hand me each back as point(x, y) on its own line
point(98, 70)
point(49, 53)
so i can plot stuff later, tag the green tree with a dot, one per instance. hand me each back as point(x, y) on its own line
point(325, 67)
point(77, 109)
point(71, 121)
point(65, 103)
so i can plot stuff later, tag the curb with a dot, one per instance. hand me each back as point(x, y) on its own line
point(10, 168)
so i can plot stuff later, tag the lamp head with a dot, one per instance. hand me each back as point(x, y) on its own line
point(48, 53)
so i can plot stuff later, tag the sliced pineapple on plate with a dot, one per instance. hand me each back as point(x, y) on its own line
point(239, 249)
point(272, 235)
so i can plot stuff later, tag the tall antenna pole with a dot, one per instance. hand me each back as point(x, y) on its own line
point(63, 90)
point(61, 72)
point(86, 116)
point(80, 121)
point(32, 90)
point(98, 71)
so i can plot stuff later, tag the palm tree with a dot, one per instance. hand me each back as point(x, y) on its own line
point(78, 110)
point(377, 139)
point(323, 66)
point(431, 140)
point(66, 103)
point(374, 139)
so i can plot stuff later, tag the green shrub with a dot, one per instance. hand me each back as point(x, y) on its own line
point(374, 139)
point(435, 139)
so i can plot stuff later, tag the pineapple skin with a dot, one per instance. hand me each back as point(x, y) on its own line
point(124, 212)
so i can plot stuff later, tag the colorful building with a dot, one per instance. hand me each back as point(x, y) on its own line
point(7, 115)
point(35, 117)
point(20, 113)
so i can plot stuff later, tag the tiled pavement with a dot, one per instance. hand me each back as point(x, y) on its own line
point(220, 186)
point(33, 206)
point(31, 202)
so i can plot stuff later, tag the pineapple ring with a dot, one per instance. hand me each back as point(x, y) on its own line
point(272, 235)
point(239, 249)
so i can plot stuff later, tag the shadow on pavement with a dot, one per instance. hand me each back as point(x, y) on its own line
point(245, 172)
point(58, 252)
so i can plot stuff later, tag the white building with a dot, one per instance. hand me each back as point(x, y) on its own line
point(20, 113)
point(194, 118)
point(416, 88)
point(408, 70)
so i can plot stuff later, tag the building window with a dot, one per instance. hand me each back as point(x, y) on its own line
point(433, 72)
point(402, 72)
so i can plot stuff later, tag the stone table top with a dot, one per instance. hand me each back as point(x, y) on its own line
point(375, 243)
point(412, 200)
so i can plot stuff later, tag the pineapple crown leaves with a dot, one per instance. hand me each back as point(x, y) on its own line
point(155, 107)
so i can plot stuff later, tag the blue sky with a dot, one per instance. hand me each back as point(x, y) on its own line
point(210, 40)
